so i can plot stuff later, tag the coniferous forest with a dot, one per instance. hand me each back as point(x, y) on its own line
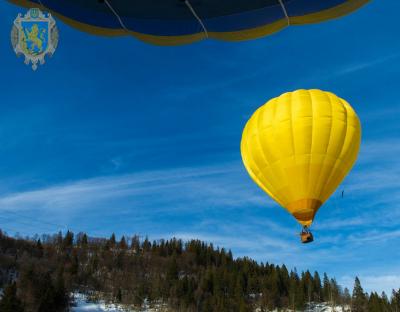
point(39, 275)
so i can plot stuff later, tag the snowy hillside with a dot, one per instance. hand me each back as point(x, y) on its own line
point(81, 304)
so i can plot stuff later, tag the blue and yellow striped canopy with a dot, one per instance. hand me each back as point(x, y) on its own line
point(173, 22)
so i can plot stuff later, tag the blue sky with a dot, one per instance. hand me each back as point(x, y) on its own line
point(113, 135)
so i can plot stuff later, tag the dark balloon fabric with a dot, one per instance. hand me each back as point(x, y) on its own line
point(173, 22)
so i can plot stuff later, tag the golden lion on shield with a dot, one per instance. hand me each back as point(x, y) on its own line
point(35, 38)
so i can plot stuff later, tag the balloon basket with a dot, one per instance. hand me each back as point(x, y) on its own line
point(306, 237)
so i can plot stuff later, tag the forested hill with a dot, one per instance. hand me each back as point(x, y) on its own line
point(39, 274)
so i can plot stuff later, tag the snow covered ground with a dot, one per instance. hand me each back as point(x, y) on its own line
point(325, 307)
point(82, 305)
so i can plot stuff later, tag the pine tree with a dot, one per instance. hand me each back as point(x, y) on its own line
point(146, 244)
point(271, 290)
point(10, 302)
point(375, 303)
point(334, 291)
point(39, 249)
point(112, 240)
point(326, 288)
point(84, 240)
point(122, 243)
point(135, 244)
point(119, 295)
point(294, 291)
point(307, 285)
point(300, 296)
point(385, 302)
point(47, 302)
point(359, 299)
point(74, 269)
point(317, 288)
point(39, 244)
point(68, 240)
point(346, 296)
point(395, 301)
point(172, 270)
point(59, 239)
point(61, 297)
point(46, 294)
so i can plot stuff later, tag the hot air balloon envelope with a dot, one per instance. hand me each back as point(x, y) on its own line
point(172, 22)
point(298, 148)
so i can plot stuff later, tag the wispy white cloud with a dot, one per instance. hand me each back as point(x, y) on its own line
point(359, 66)
point(97, 189)
point(374, 236)
point(186, 190)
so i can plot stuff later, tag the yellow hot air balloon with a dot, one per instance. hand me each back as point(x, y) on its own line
point(298, 148)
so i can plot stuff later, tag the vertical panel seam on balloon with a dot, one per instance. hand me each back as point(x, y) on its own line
point(312, 129)
point(255, 177)
point(327, 147)
point(341, 150)
point(273, 189)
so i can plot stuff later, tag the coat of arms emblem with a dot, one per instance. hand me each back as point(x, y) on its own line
point(34, 35)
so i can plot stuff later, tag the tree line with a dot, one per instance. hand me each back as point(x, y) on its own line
point(38, 275)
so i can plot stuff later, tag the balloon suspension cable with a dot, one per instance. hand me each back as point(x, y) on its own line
point(197, 17)
point(285, 12)
point(40, 2)
point(116, 14)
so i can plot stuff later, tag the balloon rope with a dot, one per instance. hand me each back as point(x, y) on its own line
point(197, 17)
point(284, 11)
point(116, 14)
point(40, 2)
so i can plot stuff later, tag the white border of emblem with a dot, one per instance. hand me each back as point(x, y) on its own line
point(17, 32)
